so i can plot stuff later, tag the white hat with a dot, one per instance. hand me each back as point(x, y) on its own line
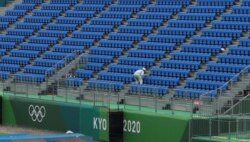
point(144, 69)
point(69, 132)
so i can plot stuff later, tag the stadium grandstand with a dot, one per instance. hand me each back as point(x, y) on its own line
point(69, 65)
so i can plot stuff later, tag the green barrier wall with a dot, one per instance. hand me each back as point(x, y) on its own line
point(92, 121)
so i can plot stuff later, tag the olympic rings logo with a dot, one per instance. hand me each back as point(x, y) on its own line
point(37, 113)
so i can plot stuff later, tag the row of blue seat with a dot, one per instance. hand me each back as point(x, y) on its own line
point(2, 52)
point(80, 14)
point(7, 45)
point(58, 56)
point(222, 67)
point(176, 31)
point(72, 2)
point(15, 60)
point(216, 76)
point(161, 81)
point(105, 85)
point(125, 8)
point(240, 9)
point(20, 32)
point(180, 64)
point(116, 44)
point(71, 20)
point(169, 72)
point(193, 93)
point(49, 63)
point(61, 7)
point(24, 6)
point(196, 16)
point(244, 42)
point(99, 59)
point(104, 2)
point(78, 42)
point(106, 51)
point(170, 2)
point(24, 53)
point(84, 74)
point(97, 28)
point(178, 39)
point(31, 78)
point(48, 71)
point(74, 81)
point(88, 35)
point(123, 68)
point(62, 27)
point(4, 25)
point(146, 54)
point(106, 21)
point(46, 13)
point(206, 85)
point(145, 89)
point(13, 12)
point(135, 29)
point(188, 56)
point(236, 17)
point(9, 19)
point(33, 1)
point(167, 47)
point(205, 9)
point(43, 40)
point(235, 50)
point(68, 49)
point(33, 26)
point(154, 15)
point(89, 7)
point(9, 68)
point(231, 25)
point(4, 75)
point(34, 47)
point(224, 41)
point(112, 76)
point(215, 2)
point(52, 33)
point(132, 2)
point(11, 38)
point(125, 36)
point(201, 48)
point(146, 62)
point(233, 59)
point(221, 33)
point(144, 22)
point(245, 3)
point(164, 8)
point(116, 15)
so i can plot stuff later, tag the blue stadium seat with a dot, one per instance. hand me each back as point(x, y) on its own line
point(236, 17)
point(33, 26)
point(116, 15)
point(132, 2)
point(106, 21)
point(68, 49)
point(170, 2)
point(135, 29)
point(33, 1)
point(58, 56)
point(154, 15)
point(34, 47)
point(97, 28)
point(145, 89)
point(178, 39)
point(146, 54)
point(4, 25)
point(104, 2)
point(176, 31)
point(24, 6)
point(62, 27)
point(37, 19)
point(48, 71)
point(24, 53)
point(233, 59)
point(204, 84)
point(105, 85)
point(4, 75)
point(74, 81)
point(20, 32)
point(161, 81)
point(146, 62)
point(168, 47)
point(196, 16)
point(221, 67)
point(78, 42)
point(202, 57)
point(125, 36)
point(99, 59)
point(221, 33)
point(201, 48)
point(49, 63)
point(240, 9)
point(205, 9)
point(46, 13)
point(193, 93)
point(43, 40)
point(235, 50)
point(70, 20)
point(186, 24)
point(216, 76)
point(72, 2)
point(80, 14)
point(164, 8)
point(9, 19)
point(89, 7)
point(244, 42)
point(215, 2)
point(123, 68)
point(2, 52)
point(10, 38)
point(116, 44)
point(52, 33)
point(84, 74)
point(61, 7)
point(15, 60)
point(245, 3)
point(96, 67)
point(88, 35)
point(180, 64)
point(13, 12)
point(7, 45)
point(120, 77)
point(224, 41)
point(125, 8)
point(26, 77)
point(116, 52)
point(144, 22)
point(9, 68)
point(231, 25)
point(169, 72)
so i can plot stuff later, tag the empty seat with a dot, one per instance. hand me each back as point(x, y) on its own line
point(61, 7)
point(233, 59)
point(4, 75)
point(46, 13)
point(234, 50)
point(99, 59)
point(164, 8)
point(72, 2)
point(4, 25)
point(215, 2)
point(70, 20)
point(97, 28)
point(231, 25)
point(33, 1)
point(127, 8)
point(168, 47)
point(169, 72)
point(193, 93)
point(43, 40)
point(216, 76)
point(48, 71)
point(18, 13)
point(11, 38)
point(24, 53)
point(154, 15)
point(135, 29)
point(98, 2)
point(170, 2)
point(116, 44)
point(161, 81)
point(32, 78)
point(20, 32)
point(144, 22)
point(15, 60)
point(206, 85)
point(244, 42)
point(132, 2)
point(146, 54)
point(106, 51)
point(125, 36)
point(84, 74)
point(240, 9)
point(205, 9)
point(221, 33)
point(34, 47)
point(177, 31)
point(79, 14)
point(68, 49)
point(186, 24)
point(123, 68)
point(94, 66)
point(146, 62)
point(119, 15)
point(178, 39)
point(196, 16)
point(201, 48)
point(78, 42)
point(236, 17)
point(87, 35)
point(52, 33)
point(24, 6)
point(62, 27)
point(202, 57)
point(211, 40)
point(9, 68)
point(180, 64)
point(89, 7)
point(49, 63)
point(33, 26)
point(146, 89)
point(9, 19)
point(7, 45)
point(120, 77)
point(58, 56)
point(37, 19)
point(73, 81)
point(105, 85)
point(106, 21)
point(245, 3)
point(222, 67)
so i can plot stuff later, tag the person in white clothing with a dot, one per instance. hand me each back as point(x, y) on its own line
point(138, 75)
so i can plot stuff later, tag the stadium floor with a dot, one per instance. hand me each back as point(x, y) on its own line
point(170, 113)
